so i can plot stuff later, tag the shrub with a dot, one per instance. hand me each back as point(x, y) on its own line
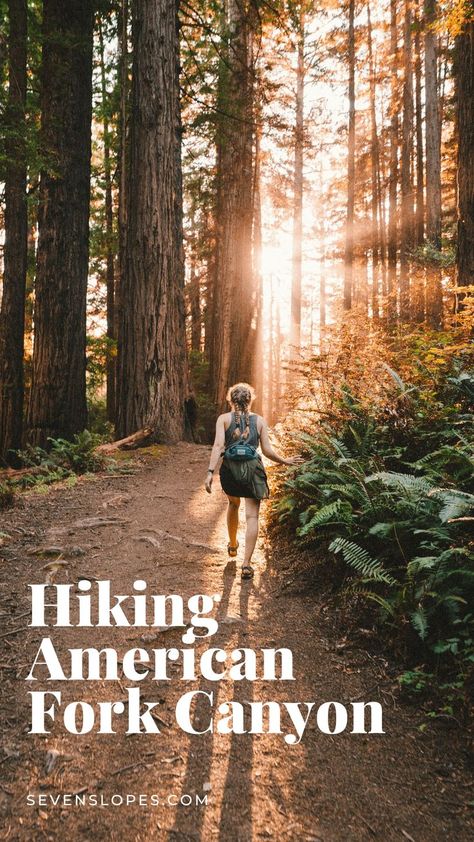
point(387, 486)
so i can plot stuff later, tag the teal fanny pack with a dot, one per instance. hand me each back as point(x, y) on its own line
point(240, 452)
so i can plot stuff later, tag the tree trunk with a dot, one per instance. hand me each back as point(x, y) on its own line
point(375, 178)
point(208, 289)
point(464, 79)
point(297, 257)
point(420, 202)
point(12, 314)
point(271, 367)
point(433, 129)
point(123, 25)
point(393, 177)
point(234, 297)
point(257, 269)
point(322, 264)
point(152, 346)
point(194, 289)
point(349, 244)
point(57, 404)
point(109, 235)
point(407, 211)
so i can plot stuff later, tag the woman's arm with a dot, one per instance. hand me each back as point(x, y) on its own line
point(268, 451)
point(217, 448)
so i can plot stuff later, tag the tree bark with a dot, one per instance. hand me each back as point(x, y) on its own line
point(392, 239)
point(234, 298)
point(257, 271)
point(194, 287)
point(375, 178)
point(123, 73)
point(420, 200)
point(464, 79)
point(297, 257)
point(57, 404)
point(407, 209)
point(12, 314)
point(109, 235)
point(322, 263)
point(349, 244)
point(151, 379)
point(433, 129)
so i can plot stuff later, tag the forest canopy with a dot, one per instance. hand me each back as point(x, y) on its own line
point(196, 193)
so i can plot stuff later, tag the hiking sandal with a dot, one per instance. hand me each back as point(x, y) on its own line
point(232, 551)
point(247, 571)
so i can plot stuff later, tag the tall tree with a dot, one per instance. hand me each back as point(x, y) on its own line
point(151, 343)
point(258, 375)
point(233, 344)
point(392, 239)
point(57, 404)
point(407, 210)
point(194, 286)
point(420, 196)
point(374, 176)
point(297, 258)
point(12, 314)
point(433, 129)
point(123, 81)
point(349, 244)
point(464, 78)
point(109, 227)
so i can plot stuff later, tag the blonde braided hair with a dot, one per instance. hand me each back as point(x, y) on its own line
point(240, 396)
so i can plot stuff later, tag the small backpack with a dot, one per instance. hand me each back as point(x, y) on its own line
point(246, 467)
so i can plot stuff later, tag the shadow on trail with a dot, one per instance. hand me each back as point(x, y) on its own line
point(201, 761)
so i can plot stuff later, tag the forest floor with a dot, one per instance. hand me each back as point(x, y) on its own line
point(404, 785)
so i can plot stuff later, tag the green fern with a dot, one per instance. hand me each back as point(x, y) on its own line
point(420, 622)
point(368, 568)
point(407, 483)
point(456, 503)
point(337, 512)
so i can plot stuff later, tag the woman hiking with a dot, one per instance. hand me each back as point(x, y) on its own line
point(238, 435)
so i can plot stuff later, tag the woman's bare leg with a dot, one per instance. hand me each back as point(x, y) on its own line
point(233, 519)
point(252, 508)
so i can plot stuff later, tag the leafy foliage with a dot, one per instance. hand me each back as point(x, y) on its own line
point(77, 456)
point(388, 486)
point(63, 461)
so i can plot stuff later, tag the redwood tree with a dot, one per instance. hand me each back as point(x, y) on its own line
point(464, 76)
point(407, 209)
point(12, 314)
point(349, 243)
point(392, 233)
point(297, 255)
point(57, 404)
point(151, 343)
point(433, 129)
point(234, 298)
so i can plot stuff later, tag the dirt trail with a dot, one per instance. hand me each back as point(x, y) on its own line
point(404, 785)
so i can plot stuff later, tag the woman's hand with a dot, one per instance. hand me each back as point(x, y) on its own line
point(208, 483)
point(294, 460)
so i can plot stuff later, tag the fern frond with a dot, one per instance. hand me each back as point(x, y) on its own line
point(375, 597)
point(419, 622)
point(456, 503)
point(359, 559)
point(333, 513)
point(408, 483)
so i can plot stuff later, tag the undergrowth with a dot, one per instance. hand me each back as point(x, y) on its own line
point(387, 488)
point(64, 459)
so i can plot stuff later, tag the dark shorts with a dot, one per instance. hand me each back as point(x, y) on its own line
point(233, 488)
